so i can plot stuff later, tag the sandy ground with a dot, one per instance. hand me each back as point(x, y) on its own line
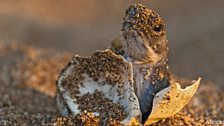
point(27, 77)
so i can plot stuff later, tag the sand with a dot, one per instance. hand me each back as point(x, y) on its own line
point(27, 78)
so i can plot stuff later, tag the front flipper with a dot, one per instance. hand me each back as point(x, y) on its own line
point(101, 84)
point(146, 99)
point(148, 82)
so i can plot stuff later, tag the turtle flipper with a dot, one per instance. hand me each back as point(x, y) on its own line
point(146, 100)
point(116, 46)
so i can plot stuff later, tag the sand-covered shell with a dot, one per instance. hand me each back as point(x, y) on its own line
point(103, 85)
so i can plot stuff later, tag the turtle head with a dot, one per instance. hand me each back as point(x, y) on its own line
point(144, 36)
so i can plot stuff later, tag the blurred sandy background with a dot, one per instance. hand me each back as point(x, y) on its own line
point(195, 29)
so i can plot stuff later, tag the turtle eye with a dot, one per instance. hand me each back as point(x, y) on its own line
point(158, 28)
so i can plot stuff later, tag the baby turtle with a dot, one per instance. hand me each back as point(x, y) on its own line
point(130, 81)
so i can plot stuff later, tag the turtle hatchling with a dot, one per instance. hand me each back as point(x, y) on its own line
point(129, 81)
